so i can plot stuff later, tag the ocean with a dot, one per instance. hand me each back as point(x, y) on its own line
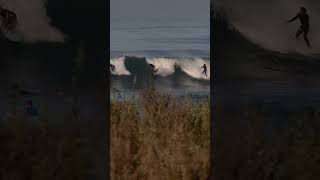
point(178, 48)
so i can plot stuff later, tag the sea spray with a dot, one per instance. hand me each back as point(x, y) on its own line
point(119, 65)
point(165, 66)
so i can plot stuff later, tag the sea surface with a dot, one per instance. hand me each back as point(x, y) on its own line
point(178, 48)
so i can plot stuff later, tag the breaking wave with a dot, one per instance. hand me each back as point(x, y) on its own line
point(120, 68)
point(166, 66)
point(265, 23)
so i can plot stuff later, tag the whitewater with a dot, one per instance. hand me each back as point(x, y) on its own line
point(166, 66)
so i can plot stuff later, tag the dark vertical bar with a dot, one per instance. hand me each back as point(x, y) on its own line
point(54, 95)
point(212, 99)
point(108, 136)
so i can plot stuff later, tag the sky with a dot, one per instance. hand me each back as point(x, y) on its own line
point(196, 9)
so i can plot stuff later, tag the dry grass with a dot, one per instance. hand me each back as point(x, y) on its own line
point(41, 152)
point(167, 138)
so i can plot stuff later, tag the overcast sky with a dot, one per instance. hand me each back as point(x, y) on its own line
point(160, 8)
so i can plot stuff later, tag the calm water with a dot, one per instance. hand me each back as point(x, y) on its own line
point(160, 37)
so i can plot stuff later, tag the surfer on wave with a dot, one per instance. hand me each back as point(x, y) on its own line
point(304, 28)
point(112, 67)
point(153, 68)
point(204, 69)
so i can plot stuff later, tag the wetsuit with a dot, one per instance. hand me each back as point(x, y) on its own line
point(304, 28)
point(204, 69)
point(153, 68)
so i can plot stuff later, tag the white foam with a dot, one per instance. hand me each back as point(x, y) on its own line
point(165, 66)
point(120, 68)
point(33, 22)
point(191, 66)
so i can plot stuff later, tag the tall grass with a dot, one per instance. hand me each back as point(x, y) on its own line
point(164, 138)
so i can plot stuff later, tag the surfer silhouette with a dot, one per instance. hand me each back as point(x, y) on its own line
point(8, 19)
point(153, 68)
point(304, 28)
point(112, 67)
point(204, 69)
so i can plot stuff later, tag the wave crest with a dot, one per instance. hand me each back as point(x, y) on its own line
point(120, 68)
point(165, 66)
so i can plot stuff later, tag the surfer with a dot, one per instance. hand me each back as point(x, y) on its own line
point(304, 28)
point(176, 66)
point(8, 19)
point(153, 68)
point(112, 67)
point(204, 69)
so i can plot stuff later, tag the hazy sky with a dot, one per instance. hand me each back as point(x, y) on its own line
point(160, 8)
